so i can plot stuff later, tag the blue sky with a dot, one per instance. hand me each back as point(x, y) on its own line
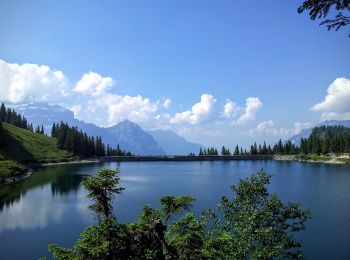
point(180, 50)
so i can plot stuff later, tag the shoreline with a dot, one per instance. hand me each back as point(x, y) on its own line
point(32, 167)
point(331, 160)
point(83, 161)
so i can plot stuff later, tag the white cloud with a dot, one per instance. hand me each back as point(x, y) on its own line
point(167, 103)
point(31, 82)
point(299, 126)
point(336, 104)
point(137, 108)
point(93, 99)
point(253, 105)
point(268, 127)
point(230, 109)
point(76, 110)
point(200, 111)
point(90, 98)
point(93, 84)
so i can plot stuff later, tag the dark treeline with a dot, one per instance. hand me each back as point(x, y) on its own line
point(254, 150)
point(77, 141)
point(117, 152)
point(327, 139)
point(11, 117)
point(209, 151)
point(322, 140)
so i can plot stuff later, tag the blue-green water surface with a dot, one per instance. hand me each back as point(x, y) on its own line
point(50, 205)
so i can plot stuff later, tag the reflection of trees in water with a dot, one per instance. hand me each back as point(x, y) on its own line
point(64, 184)
point(9, 202)
point(10, 194)
point(61, 184)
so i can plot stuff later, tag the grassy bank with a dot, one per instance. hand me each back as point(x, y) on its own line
point(20, 147)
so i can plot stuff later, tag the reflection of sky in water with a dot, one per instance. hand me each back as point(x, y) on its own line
point(133, 178)
point(39, 208)
point(50, 206)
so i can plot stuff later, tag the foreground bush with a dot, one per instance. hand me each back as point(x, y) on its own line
point(254, 224)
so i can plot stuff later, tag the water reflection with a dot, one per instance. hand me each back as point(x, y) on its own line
point(64, 180)
point(32, 210)
point(26, 204)
point(63, 185)
point(50, 205)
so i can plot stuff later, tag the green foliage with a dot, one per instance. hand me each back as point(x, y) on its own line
point(19, 146)
point(208, 151)
point(187, 235)
point(174, 205)
point(322, 140)
point(10, 169)
point(225, 151)
point(102, 189)
point(327, 139)
point(255, 225)
point(117, 152)
point(76, 141)
point(79, 143)
point(11, 117)
point(261, 225)
point(25, 146)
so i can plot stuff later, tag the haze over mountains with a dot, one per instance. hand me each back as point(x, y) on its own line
point(174, 144)
point(127, 134)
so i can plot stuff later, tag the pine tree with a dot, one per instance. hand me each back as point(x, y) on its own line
point(2, 113)
point(236, 152)
point(200, 151)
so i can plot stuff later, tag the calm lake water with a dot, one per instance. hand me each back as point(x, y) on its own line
point(50, 205)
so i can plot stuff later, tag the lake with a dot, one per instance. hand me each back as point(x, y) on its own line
point(50, 205)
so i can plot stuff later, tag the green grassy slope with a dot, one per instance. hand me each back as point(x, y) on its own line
point(19, 146)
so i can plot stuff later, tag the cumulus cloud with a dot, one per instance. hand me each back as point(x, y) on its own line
point(90, 98)
point(167, 103)
point(200, 112)
point(230, 109)
point(336, 104)
point(31, 82)
point(268, 128)
point(93, 84)
point(93, 99)
point(137, 108)
point(253, 105)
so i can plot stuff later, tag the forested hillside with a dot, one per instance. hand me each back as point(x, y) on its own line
point(19, 146)
point(327, 139)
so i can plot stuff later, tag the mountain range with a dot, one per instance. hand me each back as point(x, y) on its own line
point(127, 134)
point(305, 133)
point(174, 144)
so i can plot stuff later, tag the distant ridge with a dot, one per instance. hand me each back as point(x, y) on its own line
point(305, 133)
point(133, 138)
point(127, 134)
point(173, 144)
